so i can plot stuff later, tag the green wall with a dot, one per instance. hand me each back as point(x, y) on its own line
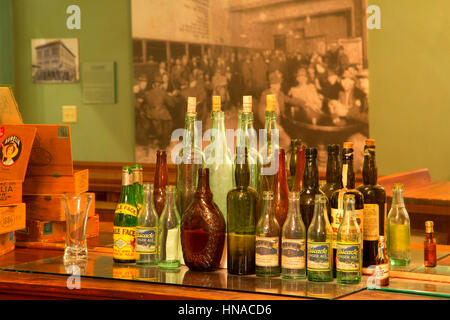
point(6, 44)
point(103, 132)
point(409, 70)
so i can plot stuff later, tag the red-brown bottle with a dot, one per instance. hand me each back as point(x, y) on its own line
point(203, 229)
point(280, 190)
point(298, 185)
point(160, 181)
point(429, 245)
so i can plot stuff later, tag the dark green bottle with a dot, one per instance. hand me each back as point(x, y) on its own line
point(333, 174)
point(241, 207)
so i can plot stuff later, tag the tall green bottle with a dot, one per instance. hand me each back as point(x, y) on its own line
point(138, 185)
point(125, 220)
point(241, 206)
point(218, 158)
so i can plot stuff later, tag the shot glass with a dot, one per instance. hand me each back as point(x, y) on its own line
point(76, 208)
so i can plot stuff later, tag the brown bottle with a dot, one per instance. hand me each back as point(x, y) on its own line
point(160, 181)
point(203, 229)
point(298, 184)
point(280, 190)
point(429, 245)
point(295, 143)
point(382, 264)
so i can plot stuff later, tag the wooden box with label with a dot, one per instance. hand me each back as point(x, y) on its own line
point(38, 185)
point(7, 242)
point(10, 192)
point(12, 218)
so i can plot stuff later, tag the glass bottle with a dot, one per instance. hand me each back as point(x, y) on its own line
point(241, 206)
point(295, 143)
point(429, 245)
point(348, 245)
point(318, 241)
point(267, 240)
point(218, 158)
point(147, 230)
point(333, 174)
point(310, 186)
point(161, 180)
point(138, 178)
point(293, 241)
point(125, 220)
point(280, 190)
point(169, 231)
point(398, 230)
point(374, 205)
point(382, 264)
point(298, 182)
point(337, 199)
point(189, 159)
point(203, 229)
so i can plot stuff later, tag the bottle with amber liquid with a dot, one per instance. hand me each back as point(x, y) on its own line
point(310, 186)
point(280, 189)
point(295, 143)
point(203, 229)
point(160, 181)
point(298, 180)
point(333, 174)
point(337, 199)
point(429, 245)
point(382, 264)
point(374, 214)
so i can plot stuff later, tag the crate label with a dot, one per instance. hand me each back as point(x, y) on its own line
point(63, 132)
point(319, 256)
point(293, 253)
point(146, 240)
point(348, 257)
point(124, 243)
point(48, 228)
point(10, 150)
point(267, 249)
point(11, 237)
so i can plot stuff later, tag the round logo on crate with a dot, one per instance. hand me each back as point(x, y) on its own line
point(11, 148)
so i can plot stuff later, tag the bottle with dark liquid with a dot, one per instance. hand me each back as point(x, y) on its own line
point(280, 190)
point(333, 174)
point(337, 199)
point(160, 182)
point(310, 186)
point(429, 245)
point(203, 229)
point(241, 206)
point(374, 214)
point(382, 264)
point(295, 143)
point(298, 180)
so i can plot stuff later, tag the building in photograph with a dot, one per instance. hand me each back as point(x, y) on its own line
point(55, 62)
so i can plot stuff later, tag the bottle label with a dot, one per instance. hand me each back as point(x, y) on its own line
point(319, 256)
point(146, 240)
point(293, 253)
point(348, 257)
point(337, 215)
point(126, 208)
point(371, 222)
point(124, 243)
point(382, 271)
point(267, 251)
point(173, 237)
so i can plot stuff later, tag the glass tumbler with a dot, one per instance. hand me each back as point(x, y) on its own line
point(76, 208)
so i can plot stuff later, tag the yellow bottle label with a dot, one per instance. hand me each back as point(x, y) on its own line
point(126, 208)
point(124, 243)
point(371, 222)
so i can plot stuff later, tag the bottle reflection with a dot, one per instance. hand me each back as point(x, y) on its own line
point(241, 283)
point(148, 273)
point(215, 279)
point(124, 271)
point(293, 287)
point(76, 268)
point(322, 290)
point(172, 276)
point(268, 285)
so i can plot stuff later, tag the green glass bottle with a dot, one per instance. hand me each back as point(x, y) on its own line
point(241, 206)
point(125, 220)
point(348, 245)
point(333, 174)
point(138, 185)
point(267, 240)
point(147, 230)
point(398, 230)
point(319, 251)
point(293, 241)
point(218, 158)
point(169, 231)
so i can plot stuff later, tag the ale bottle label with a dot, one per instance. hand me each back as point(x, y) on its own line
point(348, 257)
point(371, 222)
point(319, 256)
point(293, 254)
point(382, 272)
point(124, 243)
point(146, 240)
point(267, 249)
point(126, 208)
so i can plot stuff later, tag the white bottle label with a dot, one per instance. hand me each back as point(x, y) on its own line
point(382, 271)
point(172, 244)
point(267, 249)
point(293, 253)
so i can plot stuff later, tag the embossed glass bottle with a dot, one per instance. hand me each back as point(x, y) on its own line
point(161, 180)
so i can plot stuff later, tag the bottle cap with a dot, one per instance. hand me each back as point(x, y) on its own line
point(270, 103)
point(370, 142)
point(247, 104)
point(429, 226)
point(311, 152)
point(216, 103)
point(192, 105)
point(397, 186)
point(348, 145)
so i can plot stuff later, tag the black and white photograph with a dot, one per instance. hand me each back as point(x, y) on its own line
point(55, 60)
point(312, 54)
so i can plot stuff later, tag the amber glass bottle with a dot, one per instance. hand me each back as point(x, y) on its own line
point(429, 245)
point(310, 186)
point(337, 199)
point(382, 264)
point(203, 229)
point(161, 180)
point(374, 214)
point(298, 183)
point(280, 190)
point(333, 174)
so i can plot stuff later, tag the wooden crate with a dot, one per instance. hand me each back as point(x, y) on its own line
point(7, 242)
point(50, 207)
point(12, 217)
point(38, 185)
point(10, 192)
point(53, 231)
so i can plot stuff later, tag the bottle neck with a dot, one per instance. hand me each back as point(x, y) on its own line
point(311, 173)
point(348, 174)
point(397, 198)
point(219, 133)
point(161, 170)
point(369, 170)
point(190, 139)
point(148, 198)
point(293, 209)
point(170, 200)
point(333, 173)
point(203, 189)
point(349, 213)
point(242, 171)
point(268, 209)
point(280, 177)
point(270, 129)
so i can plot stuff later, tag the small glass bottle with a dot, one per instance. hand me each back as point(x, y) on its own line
point(319, 252)
point(147, 230)
point(429, 245)
point(293, 241)
point(161, 180)
point(169, 232)
point(382, 265)
point(348, 253)
point(398, 230)
point(267, 240)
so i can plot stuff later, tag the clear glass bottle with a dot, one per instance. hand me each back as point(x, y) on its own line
point(349, 239)
point(398, 230)
point(319, 252)
point(267, 240)
point(429, 245)
point(293, 241)
point(147, 230)
point(169, 231)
